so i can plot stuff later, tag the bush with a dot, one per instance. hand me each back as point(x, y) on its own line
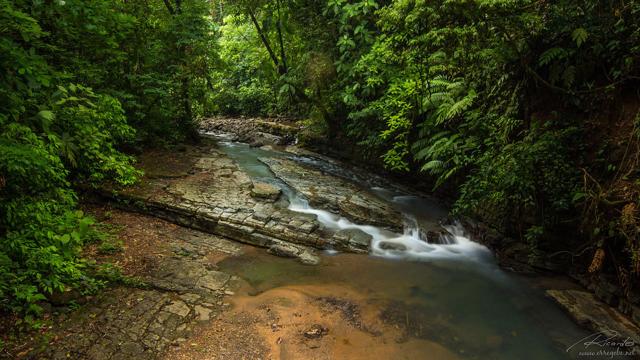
point(525, 183)
point(68, 68)
point(41, 232)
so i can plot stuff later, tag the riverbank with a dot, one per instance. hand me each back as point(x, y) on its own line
point(205, 296)
point(257, 306)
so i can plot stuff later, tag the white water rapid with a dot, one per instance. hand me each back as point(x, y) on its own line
point(409, 244)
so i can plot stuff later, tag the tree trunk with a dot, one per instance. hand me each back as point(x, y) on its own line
point(266, 44)
point(283, 57)
point(167, 3)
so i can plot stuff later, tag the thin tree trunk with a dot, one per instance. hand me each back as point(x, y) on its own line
point(283, 57)
point(185, 83)
point(167, 3)
point(265, 41)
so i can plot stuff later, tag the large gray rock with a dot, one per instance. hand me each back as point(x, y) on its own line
point(305, 255)
point(262, 139)
point(217, 197)
point(253, 131)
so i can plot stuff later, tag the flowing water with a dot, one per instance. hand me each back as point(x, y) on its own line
point(451, 292)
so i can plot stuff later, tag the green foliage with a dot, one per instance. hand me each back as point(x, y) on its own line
point(524, 183)
point(42, 234)
point(113, 274)
point(81, 81)
point(275, 59)
point(110, 246)
point(491, 97)
point(90, 126)
point(244, 82)
point(487, 97)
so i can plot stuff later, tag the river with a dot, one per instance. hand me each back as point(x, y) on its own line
point(449, 293)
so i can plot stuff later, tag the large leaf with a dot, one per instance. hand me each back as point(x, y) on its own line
point(579, 35)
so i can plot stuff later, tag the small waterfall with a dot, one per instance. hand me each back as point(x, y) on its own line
point(413, 243)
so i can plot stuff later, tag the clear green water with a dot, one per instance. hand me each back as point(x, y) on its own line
point(469, 306)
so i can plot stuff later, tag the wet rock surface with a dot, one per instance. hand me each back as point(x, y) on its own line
point(255, 131)
point(125, 324)
point(182, 288)
point(355, 239)
point(591, 313)
point(265, 191)
point(336, 195)
point(210, 192)
point(217, 197)
point(288, 250)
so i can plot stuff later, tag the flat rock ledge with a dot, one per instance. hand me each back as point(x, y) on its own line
point(214, 196)
point(184, 289)
point(258, 228)
point(591, 313)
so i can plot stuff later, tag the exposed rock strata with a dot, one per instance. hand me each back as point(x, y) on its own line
point(257, 132)
point(215, 196)
point(336, 195)
point(184, 289)
point(591, 313)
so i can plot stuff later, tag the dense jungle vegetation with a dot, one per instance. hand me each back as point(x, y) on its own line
point(526, 112)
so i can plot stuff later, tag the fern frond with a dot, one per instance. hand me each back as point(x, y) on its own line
point(551, 55)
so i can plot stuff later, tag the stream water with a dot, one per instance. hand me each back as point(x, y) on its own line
point(451, 293)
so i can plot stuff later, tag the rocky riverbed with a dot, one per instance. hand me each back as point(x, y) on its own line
point(181, 288)
point(200, 232)
point(202, 188)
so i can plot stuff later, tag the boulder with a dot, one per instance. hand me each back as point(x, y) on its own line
point(265, 191)
point(336, 194)
point(388, 245)
point(283, 250)
point(354, 240)
point(262, 139)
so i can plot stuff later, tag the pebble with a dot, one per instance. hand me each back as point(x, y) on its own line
point(316, 331)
